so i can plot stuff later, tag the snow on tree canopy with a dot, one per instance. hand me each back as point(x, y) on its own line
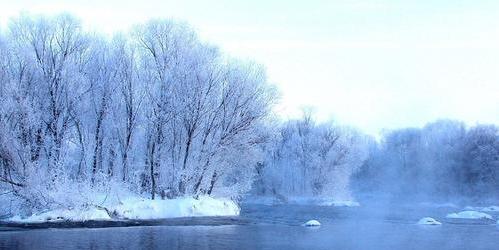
point(156, 110)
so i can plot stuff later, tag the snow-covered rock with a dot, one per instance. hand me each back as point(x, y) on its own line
point(469, 215)
point(141, 209)
point(312, 223)
point(429, 221)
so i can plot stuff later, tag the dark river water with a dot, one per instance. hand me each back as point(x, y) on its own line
point(273, 227)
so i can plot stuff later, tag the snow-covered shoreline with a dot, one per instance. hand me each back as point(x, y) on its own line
point(138, 209)
point(298, 200)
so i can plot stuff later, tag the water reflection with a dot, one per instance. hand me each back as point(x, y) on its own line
point(275, 228)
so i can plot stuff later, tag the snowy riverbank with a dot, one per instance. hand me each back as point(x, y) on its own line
point(139, 209)
point(316, 201)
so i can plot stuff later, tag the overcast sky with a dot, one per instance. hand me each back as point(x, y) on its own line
point(370, 64)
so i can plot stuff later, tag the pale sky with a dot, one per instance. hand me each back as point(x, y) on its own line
point(370, 64)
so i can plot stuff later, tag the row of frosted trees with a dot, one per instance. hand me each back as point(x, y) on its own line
point(310, 159)
point(155, 109)
point(445, 160)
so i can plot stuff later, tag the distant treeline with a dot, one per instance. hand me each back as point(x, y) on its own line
point(443, 160)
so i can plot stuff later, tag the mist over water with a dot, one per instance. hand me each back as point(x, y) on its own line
point(443, 162)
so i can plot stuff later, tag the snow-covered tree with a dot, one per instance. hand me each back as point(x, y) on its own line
point(313, 160)
point(444, 160)
point(156, 111)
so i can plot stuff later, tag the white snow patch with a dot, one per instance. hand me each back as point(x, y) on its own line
point(183, 207)
point(429, 221)
point(469, 215)
point(61, 215)
point(312, 223)
point(300, 200)
point(484, 209)
point(142, 209)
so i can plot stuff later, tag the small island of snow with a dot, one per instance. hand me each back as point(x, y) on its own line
point(140, 209)
point(429, 221)
point(312, 223)
point(469, 215)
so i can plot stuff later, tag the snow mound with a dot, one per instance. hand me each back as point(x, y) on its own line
point(141, 209)
point(429, 221)
point(469, 215)
point(484, 209)
point(61, 215)
point(312, 223)
point(183, 207)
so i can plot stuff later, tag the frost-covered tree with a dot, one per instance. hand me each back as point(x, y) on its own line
point(481, 161)
point(312, 160)
point(444, 160)
point(202, 109)
point(156, 111)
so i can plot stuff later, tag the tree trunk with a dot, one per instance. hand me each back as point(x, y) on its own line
point(213, 181)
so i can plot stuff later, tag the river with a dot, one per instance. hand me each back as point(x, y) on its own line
point(271, 227)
